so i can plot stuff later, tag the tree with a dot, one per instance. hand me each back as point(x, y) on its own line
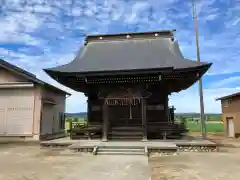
point(75, 119)
point(183, 120)
point(68, 120)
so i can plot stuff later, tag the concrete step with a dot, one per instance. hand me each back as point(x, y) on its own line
point(117, 146)
point(120, 153)
point(124, 132)
point(120, 150)
point(124, 137)
point(117, 150)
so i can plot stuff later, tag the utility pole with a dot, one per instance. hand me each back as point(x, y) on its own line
point(195, 19)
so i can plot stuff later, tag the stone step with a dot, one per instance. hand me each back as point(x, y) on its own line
point(117, 146)
point(120, 153)
point(128, 129)
point(124, 133)
point(116, 138)
point(120, 150)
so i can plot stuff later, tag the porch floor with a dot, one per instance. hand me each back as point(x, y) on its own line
point(150, 143)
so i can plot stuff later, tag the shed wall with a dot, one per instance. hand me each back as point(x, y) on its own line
point(51, 113)
point(231, 108)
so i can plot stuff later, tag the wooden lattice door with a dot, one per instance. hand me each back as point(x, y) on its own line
point(125, 115)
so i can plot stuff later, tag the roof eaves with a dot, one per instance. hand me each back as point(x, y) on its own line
point(27, 74)
point(228, 96)
point(58, 89)
point(201, 65)
point(110, 72)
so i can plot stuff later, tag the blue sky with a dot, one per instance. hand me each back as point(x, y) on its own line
point(37, 34)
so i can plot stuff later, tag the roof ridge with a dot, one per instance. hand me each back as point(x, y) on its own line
point(133, 33)
point(125, 40)
point(129, 36)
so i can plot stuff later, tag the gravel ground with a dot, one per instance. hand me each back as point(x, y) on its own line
point(18, 162)
point(223, 165)
point(30, 162)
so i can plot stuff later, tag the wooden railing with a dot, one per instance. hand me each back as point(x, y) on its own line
point(167, 129)
point(157, 130)
point(83, 130)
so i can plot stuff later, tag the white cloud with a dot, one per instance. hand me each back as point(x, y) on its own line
point(188, 100)
point(50, 33)
point(226, 81)
point(133, 16)
point(235, 21)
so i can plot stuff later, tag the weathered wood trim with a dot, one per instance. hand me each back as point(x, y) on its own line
point(16, 85)
point(144, 119)
point(105, 122)
point(96, 108)
point(155, 107)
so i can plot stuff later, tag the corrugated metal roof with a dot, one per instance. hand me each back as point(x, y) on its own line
point(27, 75)
point(229, 96)
point(129, 54)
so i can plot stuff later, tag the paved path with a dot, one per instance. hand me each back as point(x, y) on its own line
point(113, 167)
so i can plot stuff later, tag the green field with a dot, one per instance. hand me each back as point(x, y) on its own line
point(213, 127)
point(210, 127)
point(67, 122)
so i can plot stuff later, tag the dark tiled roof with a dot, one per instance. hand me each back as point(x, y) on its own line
point(229, 96)
point(133, 35)
point(129, 54)
point(28, 75)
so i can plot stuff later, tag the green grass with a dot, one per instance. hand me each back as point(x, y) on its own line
point(193, 127)
point(210, 127)
point(67, 123)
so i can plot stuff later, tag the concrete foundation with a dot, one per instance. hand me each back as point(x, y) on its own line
point(124, 147)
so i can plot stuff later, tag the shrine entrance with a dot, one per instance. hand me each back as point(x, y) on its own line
point(124, 113)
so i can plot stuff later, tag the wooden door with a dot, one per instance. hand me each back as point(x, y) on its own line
point(3, 107)
point(47, 119)
point(19, 111)
point(125, 115)
point(230, 127)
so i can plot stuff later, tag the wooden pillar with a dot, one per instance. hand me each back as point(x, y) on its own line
point(105, 122)
point(70, 129)
point(144, 119)
point(166, 109)
point(89, 116)
point(89, 109)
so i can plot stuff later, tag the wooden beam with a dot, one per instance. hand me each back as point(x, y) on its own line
point(144, 119)
point(89, 109)
point(105, 122)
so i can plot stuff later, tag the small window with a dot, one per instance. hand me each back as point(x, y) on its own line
point(227, 102)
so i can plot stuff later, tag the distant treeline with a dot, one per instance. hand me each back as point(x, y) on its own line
point(197, 114)
point(77, 115)
point(212, 116)
point(191, 116)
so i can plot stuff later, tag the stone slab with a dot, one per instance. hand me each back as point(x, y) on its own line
point(125, 144)
point(114, 167)
point(160, 144)
point(196, 143)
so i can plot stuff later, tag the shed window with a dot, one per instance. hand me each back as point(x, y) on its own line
point(227, 102)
